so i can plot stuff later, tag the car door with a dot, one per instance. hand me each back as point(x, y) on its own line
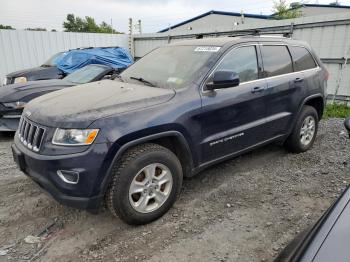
point(232, 119)
point(284, 86)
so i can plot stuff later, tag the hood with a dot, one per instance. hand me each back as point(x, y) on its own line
point(30, 90)
point(38, 73)
point(79, 106)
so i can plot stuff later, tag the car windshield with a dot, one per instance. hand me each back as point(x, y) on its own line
point(54, 59)
point(169, 67)
point(85, 75)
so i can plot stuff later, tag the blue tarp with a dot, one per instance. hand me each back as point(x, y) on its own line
point(115, 57)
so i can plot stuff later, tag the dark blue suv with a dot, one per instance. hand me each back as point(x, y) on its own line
point(183, 107)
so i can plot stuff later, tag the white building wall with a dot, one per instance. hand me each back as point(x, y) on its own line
point(20, 49)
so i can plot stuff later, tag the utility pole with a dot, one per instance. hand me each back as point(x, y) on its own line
point(130, 36)
point(169, 32)
point(139, 27)
point(242, 17)
point(111, 26)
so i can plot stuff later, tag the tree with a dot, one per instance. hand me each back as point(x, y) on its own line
point(87, 24)
point(6, 27)
point(336, 3)
point(283, 11)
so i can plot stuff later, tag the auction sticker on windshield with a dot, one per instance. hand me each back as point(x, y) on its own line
point(207, 49)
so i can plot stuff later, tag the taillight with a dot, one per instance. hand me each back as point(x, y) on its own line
point(326, 75)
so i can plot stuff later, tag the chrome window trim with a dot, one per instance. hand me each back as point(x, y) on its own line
point(260, 79)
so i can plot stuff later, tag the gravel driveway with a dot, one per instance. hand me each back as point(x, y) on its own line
point(245, 209)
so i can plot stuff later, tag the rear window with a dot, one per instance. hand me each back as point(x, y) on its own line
point(277, 60)
point(302, 58)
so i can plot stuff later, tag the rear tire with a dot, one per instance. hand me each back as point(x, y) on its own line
point(304, 132)
point(145, 184)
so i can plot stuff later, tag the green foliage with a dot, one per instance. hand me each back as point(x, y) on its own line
point(87, 24)
point(283, 11)
point(336, 3)
point(36, 29)
point(337, 110)
point(6, 27)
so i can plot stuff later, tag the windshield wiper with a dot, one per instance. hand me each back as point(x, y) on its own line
point(140, 79)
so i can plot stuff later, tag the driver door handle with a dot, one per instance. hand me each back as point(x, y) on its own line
point(257, 89)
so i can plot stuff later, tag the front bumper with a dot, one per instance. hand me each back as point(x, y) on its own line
point(86, 194)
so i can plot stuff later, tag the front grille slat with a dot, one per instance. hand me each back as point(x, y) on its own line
point(26, 132)
point(30, 134)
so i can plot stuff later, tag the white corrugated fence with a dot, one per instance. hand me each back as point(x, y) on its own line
point(20, 49)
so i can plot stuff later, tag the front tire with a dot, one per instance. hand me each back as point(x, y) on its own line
point(304, 132)
point(145, 184)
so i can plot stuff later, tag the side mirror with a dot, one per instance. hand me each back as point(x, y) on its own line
point(223, 79)
point(347, 125)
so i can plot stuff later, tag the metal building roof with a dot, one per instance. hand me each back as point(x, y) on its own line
point(216, 13)
point(328, 6)
point(247, 15)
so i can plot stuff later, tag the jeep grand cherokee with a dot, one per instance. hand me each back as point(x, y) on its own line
point(181, 108)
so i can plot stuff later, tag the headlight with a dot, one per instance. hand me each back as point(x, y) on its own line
point(21, 79)
point(4, 82)
point(74, 137)
point(15, 105)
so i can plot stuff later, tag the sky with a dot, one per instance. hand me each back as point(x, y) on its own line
point(154, 14)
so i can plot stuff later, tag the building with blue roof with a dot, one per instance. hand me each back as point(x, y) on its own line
point(216, 20)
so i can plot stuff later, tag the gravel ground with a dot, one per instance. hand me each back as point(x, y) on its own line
point(245, 209)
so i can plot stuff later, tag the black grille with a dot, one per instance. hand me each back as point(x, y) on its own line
point(30, 135)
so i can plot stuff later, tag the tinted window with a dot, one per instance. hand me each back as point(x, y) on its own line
point(277, 60)
point(243, 61)
point(302, 58)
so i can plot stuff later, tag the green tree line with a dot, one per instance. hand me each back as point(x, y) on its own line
point(76, 24)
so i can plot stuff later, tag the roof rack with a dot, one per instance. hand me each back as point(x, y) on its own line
point(265, 33)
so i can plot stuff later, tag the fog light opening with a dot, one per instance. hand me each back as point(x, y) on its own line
point(69, 177)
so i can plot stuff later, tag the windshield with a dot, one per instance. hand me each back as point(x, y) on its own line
point(85, 75)
point(169, 67)
point(54, 59)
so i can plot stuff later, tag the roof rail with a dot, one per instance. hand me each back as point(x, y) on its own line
point(259, 32)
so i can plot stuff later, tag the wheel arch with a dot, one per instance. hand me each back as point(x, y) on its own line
point(172, 140)
point(316, 102)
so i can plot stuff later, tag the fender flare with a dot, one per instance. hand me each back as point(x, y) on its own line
point(318, 95)
point(305, 100)
point(128, 145)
